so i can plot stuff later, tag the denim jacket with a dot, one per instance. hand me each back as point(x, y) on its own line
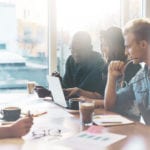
point(134, 100)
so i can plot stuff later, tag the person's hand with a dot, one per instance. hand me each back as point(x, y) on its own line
point(115, 69)
point(57, 74)
point(71, 92)
point(21, 127)
point(42, 92)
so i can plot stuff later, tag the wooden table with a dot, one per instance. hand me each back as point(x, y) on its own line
point(138, 135)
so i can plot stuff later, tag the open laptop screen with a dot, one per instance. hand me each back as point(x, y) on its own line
point(56, 90)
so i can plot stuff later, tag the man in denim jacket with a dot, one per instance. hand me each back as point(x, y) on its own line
point(137, 43)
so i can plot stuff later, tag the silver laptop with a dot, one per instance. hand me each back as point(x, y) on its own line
point(57, 91)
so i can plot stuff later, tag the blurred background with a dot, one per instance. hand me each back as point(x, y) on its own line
point(35, 35)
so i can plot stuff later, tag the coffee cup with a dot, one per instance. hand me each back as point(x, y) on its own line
point(11, 113)
point(30, 87)
point(86, 112)
point(74, 103)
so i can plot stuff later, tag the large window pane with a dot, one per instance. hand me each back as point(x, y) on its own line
point(23, 43)
point(135, 9)
point(88, 15)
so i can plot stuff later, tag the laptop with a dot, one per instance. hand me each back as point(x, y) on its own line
point(57, 91)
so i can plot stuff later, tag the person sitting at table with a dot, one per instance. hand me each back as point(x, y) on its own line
point(16, 129)
point(137, 92)
point(83, 68)
point(112, 47)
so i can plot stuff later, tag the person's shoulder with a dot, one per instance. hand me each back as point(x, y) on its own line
point(139, 75)
point(70, 59)
point(95, 56)
point(97, 59)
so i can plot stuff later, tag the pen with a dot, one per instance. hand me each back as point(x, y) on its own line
point(6, 123)
point(29, 114)
point(36, 115)
point(113, 122)
point(40, 114)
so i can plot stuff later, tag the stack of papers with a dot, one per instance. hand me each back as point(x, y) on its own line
point(111, 120)
point(88, 141)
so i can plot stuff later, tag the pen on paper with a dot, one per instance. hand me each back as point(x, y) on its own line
point(34, 115)
point(114, 122)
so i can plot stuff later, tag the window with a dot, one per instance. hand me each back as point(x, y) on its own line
point(24, 27)
point(135, 9)
point(23, 43)
point(91, 16)
point(87, 15)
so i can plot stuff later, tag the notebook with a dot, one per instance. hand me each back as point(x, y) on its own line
point(57, 91)
point(111, 120)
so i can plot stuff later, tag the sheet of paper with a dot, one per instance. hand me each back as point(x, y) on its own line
point(87, 140)
point(111, 120)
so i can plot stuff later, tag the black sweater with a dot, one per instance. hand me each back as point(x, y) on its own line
point(87, 76)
